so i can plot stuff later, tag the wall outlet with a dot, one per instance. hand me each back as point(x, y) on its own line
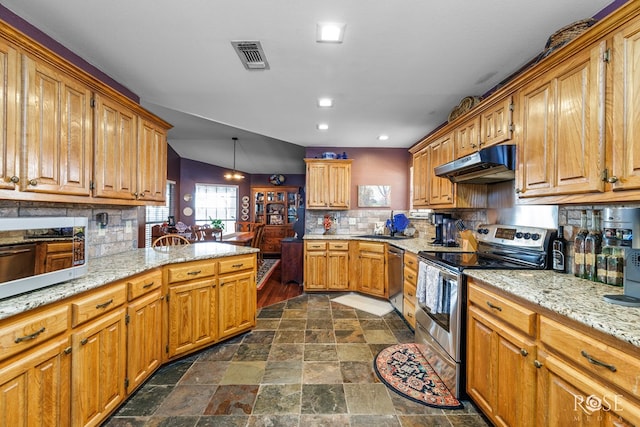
point(127, 227)
point(352, 221)
point(320, 221)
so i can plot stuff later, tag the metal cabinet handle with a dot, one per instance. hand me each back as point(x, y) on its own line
point(33, 182)
point(194, 273)
point(14, 179)
point(237, 265)
point(495, 307)
point(104, 304)
point(597, 362)
point(524, 352)
point(30, 336)
point(148, 285)
point(612, 179)
point(537, 364)
point(141, 195)
point(84, 341)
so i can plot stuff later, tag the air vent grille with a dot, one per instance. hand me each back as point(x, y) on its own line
point(251, 54)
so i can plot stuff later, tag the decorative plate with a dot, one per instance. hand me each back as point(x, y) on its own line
point(245, 217)
point(245, 199)
point(277, 179)
point(245, 211)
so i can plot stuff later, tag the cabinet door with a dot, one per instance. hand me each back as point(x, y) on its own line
point(339, 186)
point(9, 116)
point(237, 305)
point(567, 397)
point(496, 123)
point(421, 178)
point(152, 162)
point(115, 159)
point(34, 391)
point(315, 269)
point(58, 132)
point(98, 368)
point(337, 270)
point(144, 315)
point(500, 371)
point(467, 137)
point(562, 147)
point(372, 269)
point(317, 185)
point(192, 315)
point(626, 109)
point(440, 189)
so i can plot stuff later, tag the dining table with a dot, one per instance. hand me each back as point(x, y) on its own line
point(243, 238)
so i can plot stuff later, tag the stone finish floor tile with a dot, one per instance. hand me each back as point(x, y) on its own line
point(308, 363)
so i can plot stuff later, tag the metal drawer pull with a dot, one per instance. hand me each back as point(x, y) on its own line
point(84, 341)
point(237, 265)
point(524, 352)
point(148, 285)
point(104, 304)
point(410, 294)
point(537, 364)
point(410, 276)
point(193, 273)
point(495, 307)
point(30, 336)
point(597, 362)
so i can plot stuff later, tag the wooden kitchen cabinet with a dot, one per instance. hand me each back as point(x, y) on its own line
point(35, 386)
point(151, 162)
point(9, 116)
point(59, 132)
point(326, 265)
point(421, 178)
point(328, 184)
point(561, 149)
point(237, 295)
point(496, 123)
point(144, 314)
point(370, 264)
point(467, 137)
point(440, 189)
point(410, 273)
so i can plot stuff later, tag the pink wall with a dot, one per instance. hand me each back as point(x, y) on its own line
point(376, 166)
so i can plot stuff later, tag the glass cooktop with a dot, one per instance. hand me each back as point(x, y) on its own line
point(463, 260)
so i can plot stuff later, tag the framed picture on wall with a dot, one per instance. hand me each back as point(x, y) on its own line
point(374, 196)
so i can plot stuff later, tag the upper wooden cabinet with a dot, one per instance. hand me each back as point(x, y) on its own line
point(440, 189)
point(496, 123)
point(58, 131)
point(467, 137)
point(65, 136)
point(420, 178)
point(328, 184)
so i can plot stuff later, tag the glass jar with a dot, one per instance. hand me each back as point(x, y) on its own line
point(592, 247)
point(578, 247)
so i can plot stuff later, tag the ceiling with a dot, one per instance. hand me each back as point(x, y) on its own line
point(402, 67)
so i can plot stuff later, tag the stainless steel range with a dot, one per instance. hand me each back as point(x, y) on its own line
point(441, 293)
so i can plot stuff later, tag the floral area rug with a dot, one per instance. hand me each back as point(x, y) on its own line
point(265, 270)
point(404, 369)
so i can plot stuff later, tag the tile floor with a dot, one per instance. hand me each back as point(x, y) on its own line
point(309, 362)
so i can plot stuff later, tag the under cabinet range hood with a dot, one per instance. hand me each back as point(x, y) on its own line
point(489, 165)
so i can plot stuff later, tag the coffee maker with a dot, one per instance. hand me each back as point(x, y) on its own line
point(445, 230)
point(626, 223)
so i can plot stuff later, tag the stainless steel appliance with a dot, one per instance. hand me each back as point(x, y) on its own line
point(395, 276)
point(617, 224)
point(441, 290)
point(489, 165)
point(27, 258)
point(626, 223)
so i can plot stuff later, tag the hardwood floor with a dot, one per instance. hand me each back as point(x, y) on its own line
point(273, 291)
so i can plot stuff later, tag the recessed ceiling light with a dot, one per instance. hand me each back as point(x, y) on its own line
point(330, 32)
point(325, 102)
point(383, 137)
point(322, 126)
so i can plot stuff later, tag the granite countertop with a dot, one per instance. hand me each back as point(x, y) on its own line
point(411, 244)
point(111, 268)
point(577, 299)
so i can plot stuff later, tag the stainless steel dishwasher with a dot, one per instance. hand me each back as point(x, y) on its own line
point(395, 278)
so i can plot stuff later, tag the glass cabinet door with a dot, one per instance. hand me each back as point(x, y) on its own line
point(259, 204)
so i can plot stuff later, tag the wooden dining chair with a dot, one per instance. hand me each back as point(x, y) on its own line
point(245, 226)
point(207, 233)
point(257, 240)
point(170, 240)
point(197, 233)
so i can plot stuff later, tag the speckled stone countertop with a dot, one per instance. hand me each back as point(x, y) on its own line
point(577, 299)
point(108, 269)
point(411, 244)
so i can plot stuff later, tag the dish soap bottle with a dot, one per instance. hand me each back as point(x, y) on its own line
point(592, 247)
point(559, 251)
point(578, 247)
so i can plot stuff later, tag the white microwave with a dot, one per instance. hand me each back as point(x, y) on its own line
point(36, 252)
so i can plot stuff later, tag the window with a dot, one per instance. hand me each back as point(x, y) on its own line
point(159, 214)
point(216, 202)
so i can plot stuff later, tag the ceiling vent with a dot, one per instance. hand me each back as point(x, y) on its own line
point(251, 54)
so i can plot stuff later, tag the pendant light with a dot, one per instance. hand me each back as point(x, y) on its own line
point(235, 175)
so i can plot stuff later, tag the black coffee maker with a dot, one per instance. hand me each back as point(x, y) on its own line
point(438, 220)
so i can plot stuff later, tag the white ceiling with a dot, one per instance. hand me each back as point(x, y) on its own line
point(401, 69)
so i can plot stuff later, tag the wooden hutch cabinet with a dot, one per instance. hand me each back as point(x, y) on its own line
point(277, 209)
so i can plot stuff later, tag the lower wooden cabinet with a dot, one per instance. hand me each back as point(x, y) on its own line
point(370, 263)
point(410, 274)
point(326, 265)
point(35, 387)
point(237, 303)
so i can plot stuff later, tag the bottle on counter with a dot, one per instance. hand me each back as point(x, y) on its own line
point(559, 250)
point(593, 247)
point(615, 267)
point(578, 246)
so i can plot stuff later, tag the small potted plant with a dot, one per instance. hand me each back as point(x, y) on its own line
point(216, 224)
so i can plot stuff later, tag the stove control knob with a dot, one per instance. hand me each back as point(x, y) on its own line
point(483, 230)
point(519, 235)
point(527, 236)
point(535, 236)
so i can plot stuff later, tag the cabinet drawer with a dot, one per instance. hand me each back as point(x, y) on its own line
point(410, 276)
point(622, 369)
point(371, 247)
point(409, 312)
point(19, 335)
point(316, 246)
point(97, 303)
point(410, 291)
point(230, 265)
point(140, 285)
point(411, 261)
point(190, 271)
point(501, 308)
point(338, 246)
